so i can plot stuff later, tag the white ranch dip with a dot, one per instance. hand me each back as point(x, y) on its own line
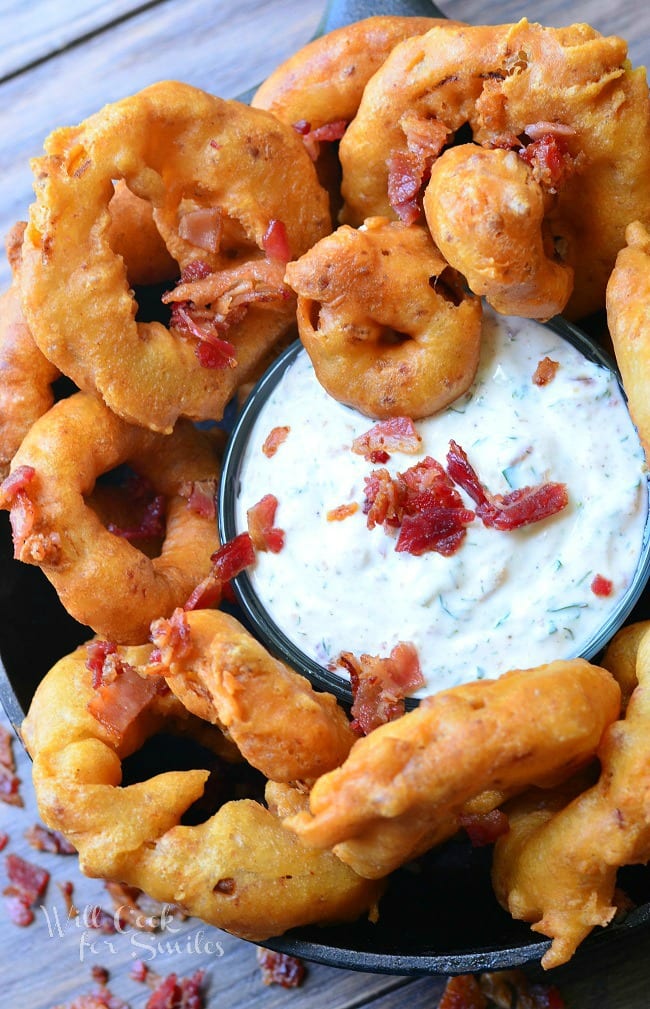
point(504, 599)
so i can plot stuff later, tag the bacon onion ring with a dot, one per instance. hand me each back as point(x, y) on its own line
point(26, 376)
point(102, 579)
point(485, 212)
point(240, 870)
point(628, 298)
point(502, 81)
point(587, 839)
point(191, 156)
point(221, 673)
point(386, 323)
point(405, 786)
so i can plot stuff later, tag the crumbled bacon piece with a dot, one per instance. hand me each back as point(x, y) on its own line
point(602, 586)
point(380, 685)
point(342, 512)
point(121, 694)
point(67, 890)
point(27, 884)
point(462, 992)
point(280, 968)
point(178, 993)
point(6, 749)
point(545, 371)
point(423, 502)
point(16, 482)
point(405, 177)
point(275, 242)
point(507, 988)
point(202, 228)
point(9, 782)
point(312, 139)
point(260, 518)
point(276, 437)
point(43, 839)
point(127, 910)
point(10, 788)
point(4, 840)
point(207, 308)
point(551, 161)
point(505, 511)
point(212, 350)
point(382, 504)
point(227, 562)
point(408, 170)
point(200, 496)
point(100, 997)
point(484, 828)
point(101, 920)
point(18, 910)
point(395, 435)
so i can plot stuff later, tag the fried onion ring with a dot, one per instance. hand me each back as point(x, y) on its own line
point(585, 842)
point(102, 579)
point(628, 301)
point(485, 212)
point(26, 376)
point(404, 786)
point(505, 82)
point(324, 80)
point(191, 156)
point(240, 870)
point(224, 675)
point(386, 323)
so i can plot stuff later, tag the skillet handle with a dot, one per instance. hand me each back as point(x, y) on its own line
point(343, 12)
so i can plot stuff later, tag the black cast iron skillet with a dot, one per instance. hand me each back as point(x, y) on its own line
point(440, 917)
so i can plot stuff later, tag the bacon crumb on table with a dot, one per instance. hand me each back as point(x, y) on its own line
point(9, 781)
point(280, 968)
point(508, 989)
point(27, 884)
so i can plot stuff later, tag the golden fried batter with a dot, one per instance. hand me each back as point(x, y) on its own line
point(224, 675)
point(223, 180)
point(386, 323)
point(504, 80)
point(405, 783)
point(485, 212)
point(240, 870)
point(628, 318)
point(557, 868)
point(102, 579)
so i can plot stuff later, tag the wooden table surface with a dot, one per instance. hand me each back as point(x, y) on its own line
point(58, 63)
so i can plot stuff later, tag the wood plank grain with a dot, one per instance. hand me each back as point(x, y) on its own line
point(28, 38)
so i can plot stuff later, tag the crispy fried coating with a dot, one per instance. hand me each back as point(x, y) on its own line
point(224, 675)
point(240, 870)
point(485, 211)
point(386, 323)
point(404, 785)
point(628, 319)
point(102, 579)
point(324, 80)
point(502, 80)
point(556, 868)
point(195, 158)
point(26, 376)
